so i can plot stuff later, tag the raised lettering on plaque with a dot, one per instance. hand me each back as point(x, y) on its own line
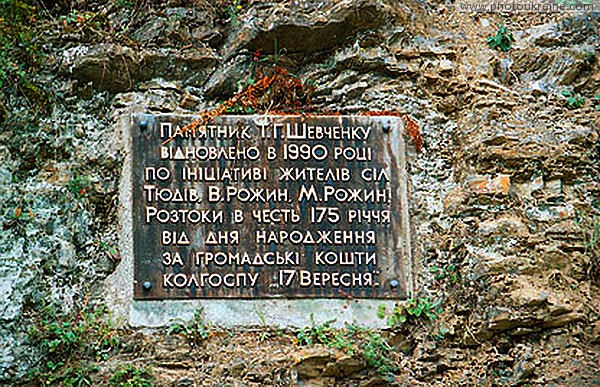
point(270, 206)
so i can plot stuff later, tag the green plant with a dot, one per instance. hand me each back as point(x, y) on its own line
point(20, 53)
point(111, 251)
point(74, 18)
point(342, 339)
point(195, 330)
point(68, 342)
point(125, 3)
point(574, 101)
point(131, 376)
point(257, 66)
point(596, 100)
point(413, 309)
point(375, 351)
point(76, 375)
point(237, 109)
point(78, 185)
point(228, 10)
point(316, 333)
point(502, 41)
point(353, 340)
point(440, 332)
point(442, 273)
point(87, 23)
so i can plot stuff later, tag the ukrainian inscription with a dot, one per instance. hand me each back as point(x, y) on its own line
point(270, 206)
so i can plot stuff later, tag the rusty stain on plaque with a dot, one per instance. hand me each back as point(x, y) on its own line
point(270, 206)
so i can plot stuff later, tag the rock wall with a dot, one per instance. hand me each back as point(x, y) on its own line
point(504, 191)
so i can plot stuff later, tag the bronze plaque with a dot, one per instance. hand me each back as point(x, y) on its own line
point(270, 206)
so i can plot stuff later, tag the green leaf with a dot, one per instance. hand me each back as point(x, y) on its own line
point(381, 311)
point(70, 337)
point(502, 40)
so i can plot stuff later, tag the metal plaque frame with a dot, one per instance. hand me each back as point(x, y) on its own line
point(333, 240)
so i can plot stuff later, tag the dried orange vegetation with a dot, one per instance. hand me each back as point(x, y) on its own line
point(274, 93)
point(281, 93)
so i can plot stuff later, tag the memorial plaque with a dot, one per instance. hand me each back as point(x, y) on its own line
point(270, 206)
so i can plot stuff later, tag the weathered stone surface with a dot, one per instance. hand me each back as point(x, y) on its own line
point(191, 66)
point(320, 362)
point(344, 366)
point(310, 363)
point(119, 68)
point(497, 185)
point(229, 79)
point(320, 28)
point(529, 310)
point(507, 226)
point(172, 27)
point(189, 100)
point(154, 100)
point(107, 67)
